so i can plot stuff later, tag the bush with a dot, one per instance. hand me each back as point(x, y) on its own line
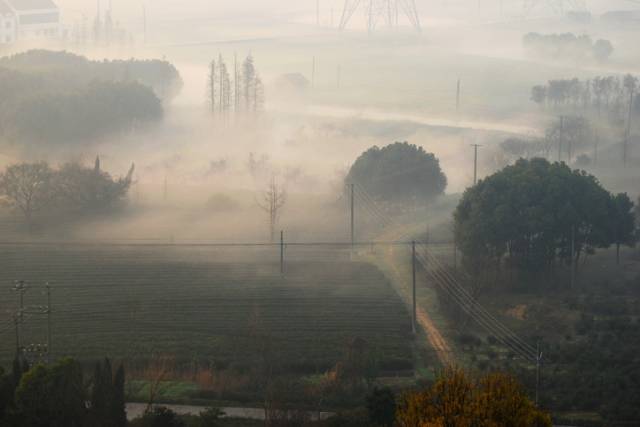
point(159, 416)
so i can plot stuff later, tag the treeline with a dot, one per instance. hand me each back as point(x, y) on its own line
point(535, 216)
point(51, 98)
point(62, 395)
point(69, 70)
point(36, 191)
point(98, 109)
point(608, 97)
point(567, 46)
point(238, 89)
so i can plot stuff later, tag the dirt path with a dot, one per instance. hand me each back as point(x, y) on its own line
point(435, 338)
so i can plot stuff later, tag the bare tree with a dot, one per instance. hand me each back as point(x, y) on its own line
point(28, 188)
point(273, 200)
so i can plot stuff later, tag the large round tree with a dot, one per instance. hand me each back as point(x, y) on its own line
point(398, 172)
point(535, 213)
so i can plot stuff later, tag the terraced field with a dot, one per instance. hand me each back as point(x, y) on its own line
point(199, 303)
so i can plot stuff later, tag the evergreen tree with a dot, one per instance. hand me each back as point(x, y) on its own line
point(118, 410)
point(248, 82)
point(211, 82)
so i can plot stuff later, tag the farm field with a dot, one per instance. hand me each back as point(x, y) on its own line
point(204, 305)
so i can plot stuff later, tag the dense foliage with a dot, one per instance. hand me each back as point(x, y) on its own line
point(398, 172)
point(59, 395)
point(532, 214)
point(53, 98)
point(35, 190)
point(456, 400)
point(70, 70)
point(567, 46)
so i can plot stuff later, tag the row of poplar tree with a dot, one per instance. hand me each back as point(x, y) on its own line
point(236, 89)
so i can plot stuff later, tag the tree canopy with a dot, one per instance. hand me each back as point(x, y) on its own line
point(57, 97)
point(73, 190)
point(456, 400)
point(567, 46)
point(533, 212)
point(398, 172)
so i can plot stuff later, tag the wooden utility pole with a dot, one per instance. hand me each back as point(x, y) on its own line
point(573, 256)
point(413, 270)
point(353, 216)
point(19, 316)
point(595, 148)
point(458, 98)
point(560, 138)
point(475, 162)
point(455, 253)
point(538, 367)
point(282, 252)
point(16, 323)
point(48, 324)
point(627, 134)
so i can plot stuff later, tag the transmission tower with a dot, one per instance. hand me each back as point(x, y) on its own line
point(381, 11)
point(559, 7)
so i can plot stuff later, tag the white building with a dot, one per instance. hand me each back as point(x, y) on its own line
point(28, 19)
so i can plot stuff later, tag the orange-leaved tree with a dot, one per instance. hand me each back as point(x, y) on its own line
point(457, 400)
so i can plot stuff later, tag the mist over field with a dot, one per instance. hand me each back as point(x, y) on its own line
point(323, 211)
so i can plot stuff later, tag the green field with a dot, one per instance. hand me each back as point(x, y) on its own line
point(205, 305)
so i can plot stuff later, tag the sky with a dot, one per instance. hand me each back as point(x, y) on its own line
point(289, 9)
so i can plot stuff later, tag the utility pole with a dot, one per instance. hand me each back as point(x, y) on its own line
point(560, 138)
point(455, 253)
point(48, 324)
point(413, 270)
point(353, 216)
point(475, 162)
point(282, 252)
point(573, 256)
point(16, 323)
point(627, 135)
point(19, 287)
point(318, 13)
point(538, 366)
point(458, 98)
point(595, 148)
point(165, 190)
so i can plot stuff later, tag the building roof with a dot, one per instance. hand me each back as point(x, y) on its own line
point(26, 5)
point(4, 8)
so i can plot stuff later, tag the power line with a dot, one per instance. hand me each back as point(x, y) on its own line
point(462, 297)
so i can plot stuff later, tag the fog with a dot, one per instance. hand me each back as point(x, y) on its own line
point(368, 89)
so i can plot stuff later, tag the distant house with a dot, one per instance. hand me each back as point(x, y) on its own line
point(28, 19)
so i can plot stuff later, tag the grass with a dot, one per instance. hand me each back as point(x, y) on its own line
point(199, 305)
